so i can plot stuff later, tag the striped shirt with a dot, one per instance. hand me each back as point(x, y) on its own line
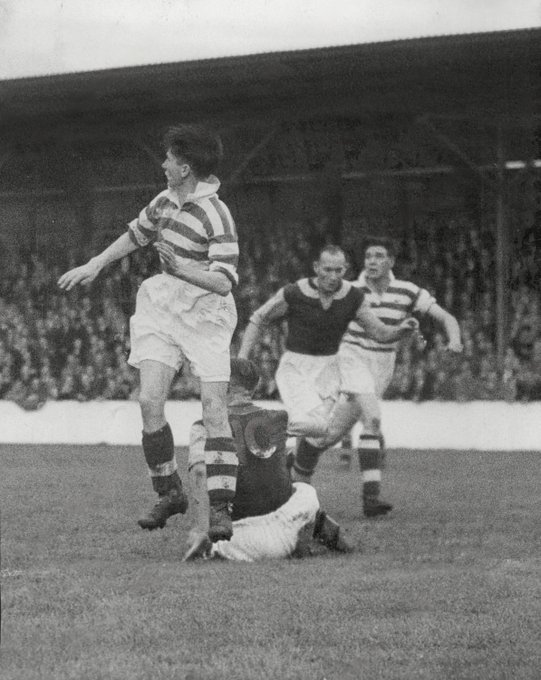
point(201, 231)
point(400, 300)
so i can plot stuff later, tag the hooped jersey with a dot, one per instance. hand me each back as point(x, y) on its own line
point(201, 232)
point(263, 482)
point(400, 300)
point(313, 329)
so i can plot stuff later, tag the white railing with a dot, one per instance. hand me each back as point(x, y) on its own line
point(430, 425)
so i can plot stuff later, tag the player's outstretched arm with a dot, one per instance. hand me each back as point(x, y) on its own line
point(379, 331)
point(251, 334)
point(86, 273)
point(274, 309)
point(450, 325)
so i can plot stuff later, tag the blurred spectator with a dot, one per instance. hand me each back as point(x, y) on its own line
point(186, 385)
point(267, 364)
point(74, 346)
point(528, 381)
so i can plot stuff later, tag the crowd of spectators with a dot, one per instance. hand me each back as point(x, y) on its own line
point(56, 345)
point(456, 263)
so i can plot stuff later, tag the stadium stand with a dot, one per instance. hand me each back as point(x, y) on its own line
point(74, 346)
point(434, 140)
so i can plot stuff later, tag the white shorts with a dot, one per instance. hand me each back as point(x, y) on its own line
point(272, 536)
point(175, 320)
point(363, 371)
point(305, 382)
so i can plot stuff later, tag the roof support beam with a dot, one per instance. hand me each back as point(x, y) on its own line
point(502, 259)
point(425, 122)
point(241, 167)
point(148, 150)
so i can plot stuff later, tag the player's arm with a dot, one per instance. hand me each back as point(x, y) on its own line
point(274, 309)
point(86, 273)
point(213, 281)
point(381, 332)
point(449, 324)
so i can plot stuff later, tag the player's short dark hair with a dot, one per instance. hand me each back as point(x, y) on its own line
point(199, 146)
point(244, 372)
point(381, 241)
point(331, 249)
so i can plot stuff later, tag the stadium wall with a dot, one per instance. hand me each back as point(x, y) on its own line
point(430, 425)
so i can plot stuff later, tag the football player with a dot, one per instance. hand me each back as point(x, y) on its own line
point(272, 517)
point(186, 312)
point(366, 363)
point(318, 311)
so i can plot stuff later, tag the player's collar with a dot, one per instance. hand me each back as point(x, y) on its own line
point(361, 280)
point(203, 189)
point(309, 288)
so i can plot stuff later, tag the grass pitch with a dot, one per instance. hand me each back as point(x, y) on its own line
point(447, 587)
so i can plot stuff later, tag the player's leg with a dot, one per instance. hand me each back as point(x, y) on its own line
point(308, 388)
point(158, 444)
point(310, 446)
point(371, 455)
point(340, 416)
point(328, 532)
point(204, 335)
point(296, 378)
point(305, 459)
point(220, 458)
point(362, 375)
point(199, 543)
point(275, 535)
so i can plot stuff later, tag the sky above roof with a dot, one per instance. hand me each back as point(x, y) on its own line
point(43, 37)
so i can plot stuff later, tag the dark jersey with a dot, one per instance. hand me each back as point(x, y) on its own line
point(263, 482)
point(313, 329)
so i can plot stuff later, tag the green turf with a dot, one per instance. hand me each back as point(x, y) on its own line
point(447, 587)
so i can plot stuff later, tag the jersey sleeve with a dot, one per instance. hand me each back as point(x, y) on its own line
point(223, 242)
point(423, 301)
point(144, 228)
point(289, 292)
point(224, 257)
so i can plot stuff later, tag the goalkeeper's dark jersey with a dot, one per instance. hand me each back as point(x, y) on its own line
point(263, 482)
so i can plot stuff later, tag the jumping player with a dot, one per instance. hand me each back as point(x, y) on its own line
point(186, 312)
point(318, 311)
point(273, 517)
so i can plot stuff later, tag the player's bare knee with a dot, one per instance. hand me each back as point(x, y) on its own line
point(331, 438)
point(214, 413)
point(150, 407)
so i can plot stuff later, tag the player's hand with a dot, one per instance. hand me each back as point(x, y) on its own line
point(455, 346)
point(167, 257)
point(84, 275)
point(199, 546)
point(409, 325)
point(419, 341)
